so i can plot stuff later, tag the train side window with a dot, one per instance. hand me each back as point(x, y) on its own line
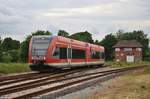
point(78, 54)
point(63, 53)
point(60, 53)
point(56, 53)
point(95, 54)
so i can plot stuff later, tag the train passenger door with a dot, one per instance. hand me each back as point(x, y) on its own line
point(69, 54)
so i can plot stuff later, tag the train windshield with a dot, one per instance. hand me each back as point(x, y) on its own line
point(40, 45)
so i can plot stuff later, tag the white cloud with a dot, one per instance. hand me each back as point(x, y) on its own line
point(83, 11)
point(21, 17)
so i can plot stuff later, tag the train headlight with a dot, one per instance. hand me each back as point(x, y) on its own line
point(44, 58)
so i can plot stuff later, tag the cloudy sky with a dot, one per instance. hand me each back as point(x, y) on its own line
point(18, 18)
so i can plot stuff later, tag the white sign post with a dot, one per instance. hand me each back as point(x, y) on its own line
point(130, 58)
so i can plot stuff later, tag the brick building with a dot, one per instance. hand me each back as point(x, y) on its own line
point(129, 51)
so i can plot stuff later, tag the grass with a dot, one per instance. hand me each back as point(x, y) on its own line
point(132, 86)
point(7, 68)
point(125, 64)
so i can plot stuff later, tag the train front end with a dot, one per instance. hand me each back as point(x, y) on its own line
point(38, 50)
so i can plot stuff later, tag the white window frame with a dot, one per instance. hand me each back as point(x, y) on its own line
point(117, 49)
point(138, 49)
point(127, 49)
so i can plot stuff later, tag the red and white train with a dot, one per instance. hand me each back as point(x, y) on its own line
point(47, 52)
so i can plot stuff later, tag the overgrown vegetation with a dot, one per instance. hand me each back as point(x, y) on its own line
point(125, 64)
point(6, 68)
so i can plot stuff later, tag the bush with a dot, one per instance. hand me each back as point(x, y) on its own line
point(14, 54)
point(6, 68)
point(0, 56)
point(125, 64)
point(0, 51)
point(24, 50)
point(6, 58)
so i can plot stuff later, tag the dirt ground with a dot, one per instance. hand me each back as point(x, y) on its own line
point(134, 86)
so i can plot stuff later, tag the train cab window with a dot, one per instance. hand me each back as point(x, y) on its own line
point(78, 54)
point(95, 54)
point(56, 52)
point(60, 53)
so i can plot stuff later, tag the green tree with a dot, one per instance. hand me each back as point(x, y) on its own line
point(96, 42)
point(7, 48)
point(40, 32)
point(119, 34)
point(14, 54)
point(6, 58)
point(7, 44)
point(0, 50)
point(82, 36)
point(108, 42)
point(63, 33)
point(15, 44)
point(25, 44)
point(24, 49)
point(10, 44)
point(147, 55)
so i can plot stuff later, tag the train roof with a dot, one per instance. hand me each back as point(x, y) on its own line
point(38, 36)
point(64, 39)
point(78, 42)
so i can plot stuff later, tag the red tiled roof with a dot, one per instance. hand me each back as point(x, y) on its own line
point(128, 43)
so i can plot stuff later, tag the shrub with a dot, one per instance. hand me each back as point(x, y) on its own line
point(6, 58)
point(7, 68)
point(14, 54)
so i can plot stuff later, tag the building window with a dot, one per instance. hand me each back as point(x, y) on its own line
point(138, 49)
point(117, 49)
point(78, 54)
point(127, 49)
point(60, 53)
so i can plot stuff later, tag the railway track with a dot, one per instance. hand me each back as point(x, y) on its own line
point(11, 77)
point(5, 80)
point(50, 84)
point(10, 82)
